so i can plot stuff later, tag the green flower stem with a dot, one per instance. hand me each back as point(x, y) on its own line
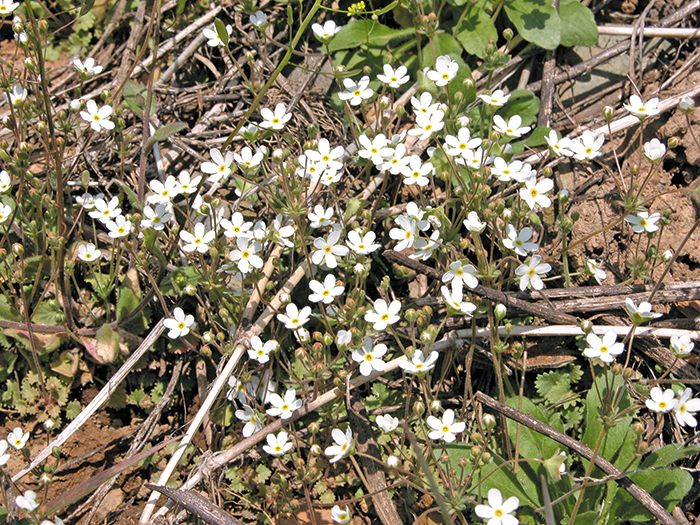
point(283, 63)
point(565, 260)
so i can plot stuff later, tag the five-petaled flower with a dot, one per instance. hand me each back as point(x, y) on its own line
point(643, 222)
point(325, 292)
point(640, 314)
point(339, 515)
point(445, 429)
point(512, 128)
point(276, 119)
point(661, 401)
point(294, 317)
point(88, 252)
point(198, 240)
point(394, 77)
point(419, 364)
point(325, 32)
point(284, 407)
point(445, 70)
point(606, 348)
point(179, 324)
point(7, 6)
point(356, 92)
point(681, 345)
point(498, 512)
point(496, 99)
point(17, 438)
point(277, 445)
point(259, 351)
point(97, 117)
point(383, 314)
point(530, 273)
point(642, 110)
point(88, 67)
point(370, 357)
point(28, 501)
point(685, 407)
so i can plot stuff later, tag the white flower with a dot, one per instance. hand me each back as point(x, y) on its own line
point(682, 345)
point(458, 145)
point(459, 274)
point(187, 184)
point(284, 407)
point(661, 401)
point(424, 105)
point(424, 248)
point(559, 146)
point(686, 104)
point(394, 77)
point(88, 252)
point(418, 363)
point(370, 357)
point(530, 273)
point(86, 200)
point(453, 298)
point(339, 515)
point(245, 255)
point(643, 110)
point(445, 429)
point(259, 351)
point(259, 19)
point(641, 314)
point(356, 92)
point(28, 501)
point(512, 128)
point(516, 170)
point(220, 168)
point(17, 438)
point(294, 318)
point(534, 192)
point(685, 406)
point(428, 124)
point(163, 192)
point(387, 423)
point(119, 227)
point(445, 70)
point(596, 271)
point(417, 172)
point(328, 249)
point(325, 292)
point(106, 211)
point(405, 233)
point(343, 337)
point(252, 419)
point(382, 315)
point(179, 324)
point(325, 157)
point(587, 146)
point(643, 222)
point(473, 224)
point(198, 240)
point(87, 68)
point(236, 226)
point(157, 218)
point(392, 462)
point(519, 241)
point(606, 348)
point(275, 120)
point(474, 158)
point(496, 99)
point(277, 445)
point(375, 149)
point(280, 233)
point(325, 32)
point(362, 245)
point(7, 6)
point(247, 161)
point(213, 35)
point(320, 217)
point(343, 444)
point(654, 150)
point(98, 118)
point(497, 511)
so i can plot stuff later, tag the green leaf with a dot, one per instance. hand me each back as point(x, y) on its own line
point(73, 410)
point(443, 44)
point(475, 30)
point(263, 473)
point(135, 96)
point(578, 24)
point(164, 132)
point(354, 207)
point(87, 6)
point(536, 21)
point(7, 313)
point(537, 137)
point(367, 32)
point(129, 294)
point(663, 457)
point(532, 444)
point(221, 31)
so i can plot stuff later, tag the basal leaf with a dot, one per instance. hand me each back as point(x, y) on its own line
point(368, 32)
point(536, 21)
point(475, 30)
point(164, 132)
point(578, 27)
point(524, 103)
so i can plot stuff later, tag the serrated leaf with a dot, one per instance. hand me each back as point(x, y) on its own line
point(578, 24)
point(321, 487)
point(327, 497)
point(475, 30)
point(263, 473)
point(73, 410)
point(366, 32)
point(164, 132)
point(536, 21)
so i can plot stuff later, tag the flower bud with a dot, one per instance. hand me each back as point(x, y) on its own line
point(616, 369)
point(314, 427)
point(586, 326)
point(673, 142)
point(667, 256)
point(686, 105)
point(411, 315)
point(419, 408)
point(435, 404)
point(563, 196)
point(17, 249)
point(392, 462)
point(327, 339)
point(608, 113)
point(507, 34)
point(500, 312)
point(638, 428)
point(488, 421)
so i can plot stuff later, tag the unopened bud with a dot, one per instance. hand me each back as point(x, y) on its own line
point(500, 311)
point(686, 105)
point(508, 34)
point(488, 421)
point(608, 113)
point(586, 326)
point(419, 408)
point(673, 142)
